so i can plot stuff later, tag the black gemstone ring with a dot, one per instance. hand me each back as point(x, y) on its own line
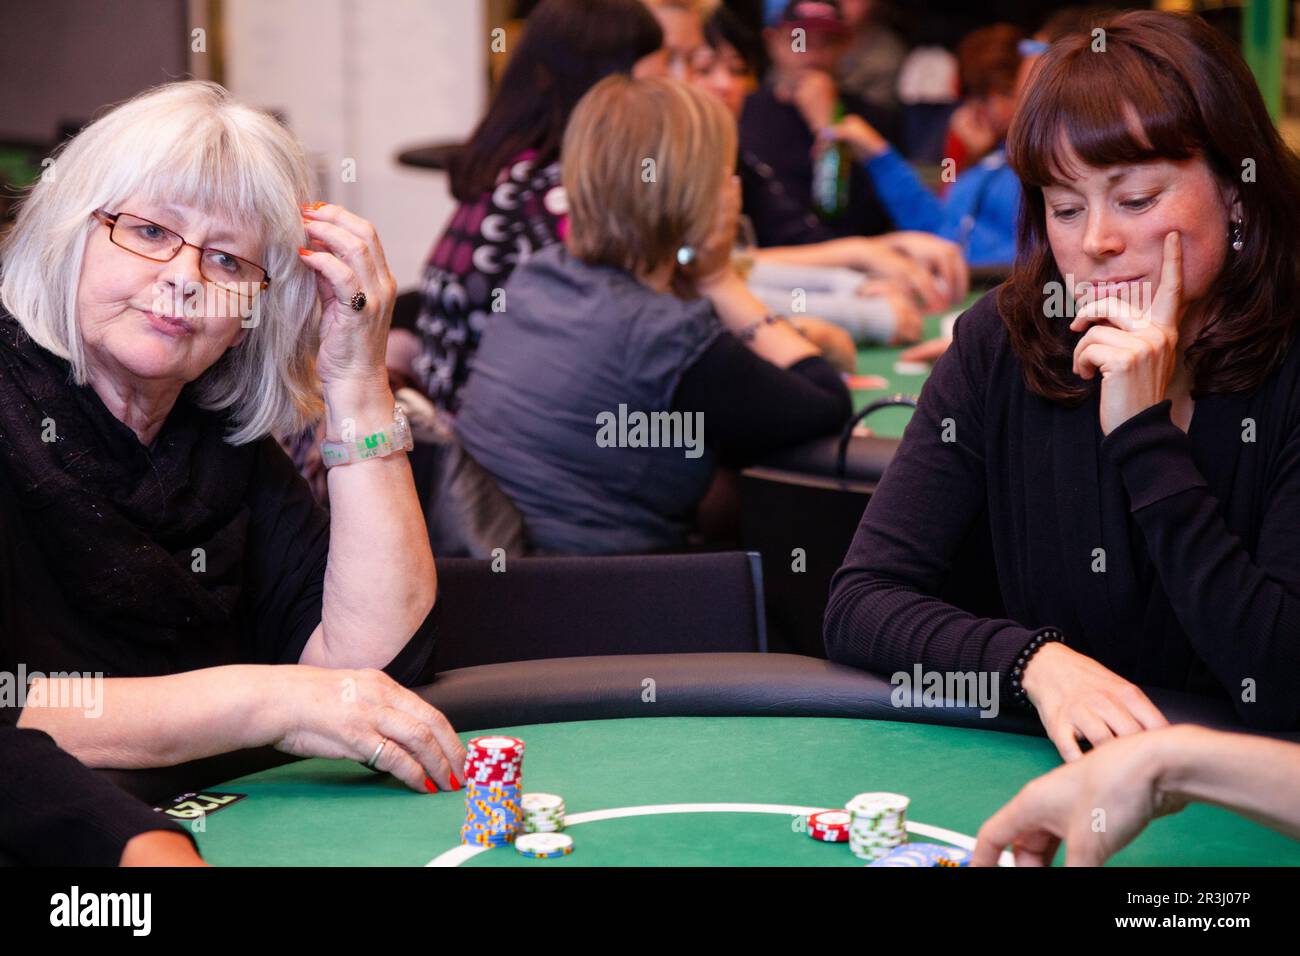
point(358, 301)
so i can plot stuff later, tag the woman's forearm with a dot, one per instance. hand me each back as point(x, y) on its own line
point(1255, 776)
point(845, 253)
point(161, 721)
point(739, 308)
point(380, 581)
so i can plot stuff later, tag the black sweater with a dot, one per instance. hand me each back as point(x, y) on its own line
point(1199, 533)
point(753, 407)
point(56, 812)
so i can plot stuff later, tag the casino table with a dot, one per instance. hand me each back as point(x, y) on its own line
point(879, 360)
point(716, 767)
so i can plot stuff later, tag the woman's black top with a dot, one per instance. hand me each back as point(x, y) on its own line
point(135, 562)
point(126, 561)
point(1173, 559)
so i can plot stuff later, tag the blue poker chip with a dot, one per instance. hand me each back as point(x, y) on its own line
point(924, 855)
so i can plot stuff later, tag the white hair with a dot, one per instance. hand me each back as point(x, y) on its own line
point(187, 143)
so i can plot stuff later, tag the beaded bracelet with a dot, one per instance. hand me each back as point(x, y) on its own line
point(1047, 635)
point(748, 332)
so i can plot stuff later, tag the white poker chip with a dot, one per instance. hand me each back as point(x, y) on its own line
point(879, 804)
point(543, 845)
point(541, 802)
point(911, 368)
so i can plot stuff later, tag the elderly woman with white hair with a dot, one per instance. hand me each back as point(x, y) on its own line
point(173, 301)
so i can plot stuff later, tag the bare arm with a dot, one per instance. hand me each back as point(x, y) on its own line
point(380, 582)
point(1257, 777)
point(931, 268)
point(738, 308)
point(159, 721)
point(849, 253)
point(1129, 781)
point(309, 711)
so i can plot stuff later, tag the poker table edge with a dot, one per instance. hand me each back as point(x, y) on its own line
point(555, 690)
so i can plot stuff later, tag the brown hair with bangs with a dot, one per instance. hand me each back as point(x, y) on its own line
point(1193, 96)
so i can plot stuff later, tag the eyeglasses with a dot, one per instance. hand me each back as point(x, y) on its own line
point(149, 240)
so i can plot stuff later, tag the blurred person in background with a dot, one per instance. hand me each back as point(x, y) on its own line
point(639, 313)
point(979, 211)
point(870, 64)
point(507, 177)
point(779, 126)
point(910, 272)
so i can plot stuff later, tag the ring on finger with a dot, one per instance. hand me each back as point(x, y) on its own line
point(358, 301)
point(374, 757)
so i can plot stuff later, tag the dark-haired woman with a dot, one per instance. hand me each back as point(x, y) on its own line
point(1137, 459)
point(507, 177)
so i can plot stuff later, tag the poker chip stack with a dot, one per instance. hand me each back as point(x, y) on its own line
point(830, 826)
point(493, 780)
point(924, 855)
point(878, 825)
point(543, 812)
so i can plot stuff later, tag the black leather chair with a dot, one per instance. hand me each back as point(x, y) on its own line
point(799, 510)
point(540, 607)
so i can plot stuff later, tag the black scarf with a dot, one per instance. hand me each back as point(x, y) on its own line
point(117, 523)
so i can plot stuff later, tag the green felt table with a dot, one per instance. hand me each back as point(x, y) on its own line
point(327, 813)
point(879, 360)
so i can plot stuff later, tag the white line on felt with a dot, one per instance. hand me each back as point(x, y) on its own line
point(460, 854)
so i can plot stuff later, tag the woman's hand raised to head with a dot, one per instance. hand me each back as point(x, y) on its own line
point(347, 258)
point(1075, 697)
point(713, 258)
point(1135, 349)
point(347, 714)
point(862, 138)
point(814, 95)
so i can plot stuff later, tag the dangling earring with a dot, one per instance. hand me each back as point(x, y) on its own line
point(1237, 242)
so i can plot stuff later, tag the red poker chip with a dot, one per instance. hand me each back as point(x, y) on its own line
point(482, 782)
point(830, 819)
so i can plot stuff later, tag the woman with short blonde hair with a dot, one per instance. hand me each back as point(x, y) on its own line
point(638, 317)
point(635, 214)
point(172, 302)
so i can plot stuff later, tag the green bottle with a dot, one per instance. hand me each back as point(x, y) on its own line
point(830, 185)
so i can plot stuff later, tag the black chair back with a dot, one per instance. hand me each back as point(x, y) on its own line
point(539, 607)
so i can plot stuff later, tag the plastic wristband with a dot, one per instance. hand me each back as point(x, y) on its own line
point(378, 444)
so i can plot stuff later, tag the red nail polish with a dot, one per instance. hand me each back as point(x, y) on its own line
point(455, 784)
point(430, 785)
point(313, 206)
point(304, 252)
